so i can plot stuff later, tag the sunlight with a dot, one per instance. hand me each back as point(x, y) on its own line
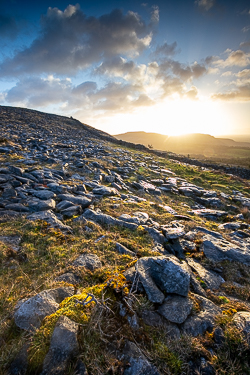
point(173, 117)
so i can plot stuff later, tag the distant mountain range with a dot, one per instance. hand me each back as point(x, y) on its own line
point(193, 144)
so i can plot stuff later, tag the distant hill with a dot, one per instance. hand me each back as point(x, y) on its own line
point(193, 144)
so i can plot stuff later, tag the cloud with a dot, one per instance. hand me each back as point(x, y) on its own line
point(120, 67)
point(155, 14)
point(192, 93)
point(244, 73)
point(246, 29)
point(39, 92)
point(8, 27)
point(227, 74)
point(205, 5)
point(165, 50)
point(240, 94)
point(182, 71)
point(70, 41)
point(245, 44)
point(114, 97)
point(235, 58)
point(238, 90)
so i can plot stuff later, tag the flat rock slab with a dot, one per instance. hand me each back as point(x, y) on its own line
point(173, 233)
point(82, 201)
point(30, 313)
point(218, 249)
point(89, 261)
point(162, 274)
point(44, 194)
point(101, 218)
point(51, 219)
point(212, 280)
point(176, 309)
point(208, 213)
point(18, 207)
point(105, 190)
point(36, 204)
point(63, 347)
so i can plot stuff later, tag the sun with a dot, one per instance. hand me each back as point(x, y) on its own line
point(172, 117)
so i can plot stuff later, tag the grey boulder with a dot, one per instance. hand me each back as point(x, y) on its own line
point(197, 324)
point(79, 200)
point(63, 347)
point(162, 274)
point(30, 313)
point(176, 309)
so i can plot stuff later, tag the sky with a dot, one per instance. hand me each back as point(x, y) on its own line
point(170, 67)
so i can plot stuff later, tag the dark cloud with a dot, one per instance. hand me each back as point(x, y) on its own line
point(165, 50)
point(245, 44)
point(8, 27)
point(182, 71)
point(120, 67)
point(69, 41)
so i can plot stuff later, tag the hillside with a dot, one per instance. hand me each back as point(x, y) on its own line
point(117, 259)
point(196, 145)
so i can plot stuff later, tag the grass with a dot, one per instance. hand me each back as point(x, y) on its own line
point(50, 253)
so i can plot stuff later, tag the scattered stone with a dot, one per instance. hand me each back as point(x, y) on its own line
point(82, 201)
point(135, 362)
point(123, 250)
point(69, 278)
point(89, 261)
point(51, 219)
point(203, 321)
point(176, 308)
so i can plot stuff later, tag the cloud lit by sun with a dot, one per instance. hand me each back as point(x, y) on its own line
point(128, 69)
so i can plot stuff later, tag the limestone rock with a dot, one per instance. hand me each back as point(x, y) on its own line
point(89, 261)
point(242, 322)
point(199, 323)
point(29, 314)
point(212, 280)
point(51, 219)
point(63, 347)
point(135, 362)
point(162, 274)
point(176, 309)
point(82, 201)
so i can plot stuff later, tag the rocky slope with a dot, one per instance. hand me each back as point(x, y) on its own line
point(115, 260)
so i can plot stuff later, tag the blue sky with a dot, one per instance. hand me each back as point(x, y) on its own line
point(171, 67)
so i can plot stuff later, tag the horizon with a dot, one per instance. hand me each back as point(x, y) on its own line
point(123, 66)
